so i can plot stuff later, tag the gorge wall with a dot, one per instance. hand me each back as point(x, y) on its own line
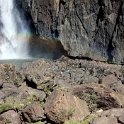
point(86, 28)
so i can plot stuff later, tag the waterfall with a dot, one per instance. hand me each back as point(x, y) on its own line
point(14, 32)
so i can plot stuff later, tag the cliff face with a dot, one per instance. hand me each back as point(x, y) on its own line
point(86, 28)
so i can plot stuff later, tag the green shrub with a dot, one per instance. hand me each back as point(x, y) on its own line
point(72, 122)
point(5, 107)
point(88, 119)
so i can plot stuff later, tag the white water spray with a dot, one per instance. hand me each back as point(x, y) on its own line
point(14, 32)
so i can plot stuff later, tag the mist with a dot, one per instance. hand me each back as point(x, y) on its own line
point(14, 33)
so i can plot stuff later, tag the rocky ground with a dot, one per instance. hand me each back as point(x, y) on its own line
point(64, 91)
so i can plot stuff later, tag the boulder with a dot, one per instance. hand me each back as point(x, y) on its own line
point(114, 112)
point(12, 117)
point(109, 79)
point(33, 93)
point(9, 89)
point(105, 120)
point(61, 106)
point(112, 116)
point(98, 96)
point(19, 97)
point(9, 74)
point(113, 82)
point(2, 120)
point(33, 113)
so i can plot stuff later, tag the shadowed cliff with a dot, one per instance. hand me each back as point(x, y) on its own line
point(45, 48)
point(86, 28)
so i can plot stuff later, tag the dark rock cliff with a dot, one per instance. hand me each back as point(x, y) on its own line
point(86, 28)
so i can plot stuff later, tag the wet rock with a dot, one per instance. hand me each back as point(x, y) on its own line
point(87, 29)
point(33, 113)
point(12, 117)
point(61, 106)
point(40, 47)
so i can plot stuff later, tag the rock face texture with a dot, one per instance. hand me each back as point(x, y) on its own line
point(113, 116)
point(34, 112)
point(86, 28)
point(12, 117)
point(61, 106)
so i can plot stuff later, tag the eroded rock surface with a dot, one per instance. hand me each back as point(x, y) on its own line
point(12, 117)
point(113, 116)
point(99, 96)
point(33, 112)
point(105, 120)
point(61, 106)
point(92, 29)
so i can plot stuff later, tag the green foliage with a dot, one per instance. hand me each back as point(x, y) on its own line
point(32, 98)
point(9, 122)
point(15, 81)
point(70, 112)
point(5, 107)
point(88, 119)
point(73, 122)
point(91, 99)
point(42, 104)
